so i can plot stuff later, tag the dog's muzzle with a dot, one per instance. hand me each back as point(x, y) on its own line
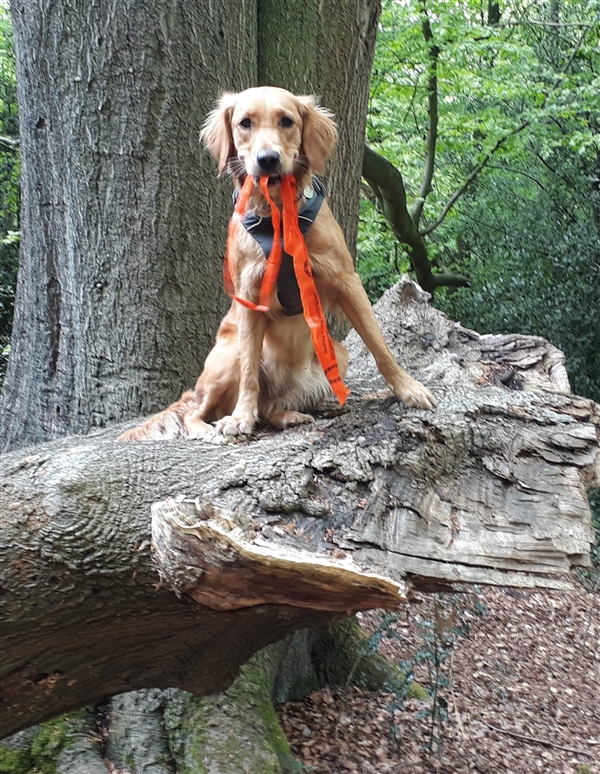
point(268, 161)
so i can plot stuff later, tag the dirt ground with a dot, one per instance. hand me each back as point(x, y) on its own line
point(521, 692)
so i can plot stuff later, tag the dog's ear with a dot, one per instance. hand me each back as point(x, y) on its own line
point(216, 133)
point(319, 133)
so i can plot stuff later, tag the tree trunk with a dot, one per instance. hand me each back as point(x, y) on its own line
point(122, 221)
point(253, 540)
point(325, 47)
point(123, 230)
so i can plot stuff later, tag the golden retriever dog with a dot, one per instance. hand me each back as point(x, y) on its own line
point(263, 365)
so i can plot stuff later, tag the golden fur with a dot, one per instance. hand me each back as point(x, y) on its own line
point(263, 365)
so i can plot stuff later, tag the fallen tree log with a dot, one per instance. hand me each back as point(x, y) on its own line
point(281, 531)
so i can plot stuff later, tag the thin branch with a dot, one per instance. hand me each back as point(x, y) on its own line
point(9, 144)
point(450, 280)
point(567, 213)
point(517, 172)
point(573, 54)
point(483, 163)
point(476, 170)
point(433, 114)
point(454, 702)
point(536, 740)
point(548, 166)
point(545, 24)
point(388, 185)
point(411, 105)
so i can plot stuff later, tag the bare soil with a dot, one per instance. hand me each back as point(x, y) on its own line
point(521, 693)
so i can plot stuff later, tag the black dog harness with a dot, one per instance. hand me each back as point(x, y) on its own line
point(288, 292)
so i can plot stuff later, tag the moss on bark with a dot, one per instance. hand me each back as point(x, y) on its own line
point(38, 748)
point(343, 653)
point(217, 733)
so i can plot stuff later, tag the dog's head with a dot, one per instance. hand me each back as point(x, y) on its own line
point(269, 131)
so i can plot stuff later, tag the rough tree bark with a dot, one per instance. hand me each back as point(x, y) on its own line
point(122, 228)
point(325, 47)
point(253, 540)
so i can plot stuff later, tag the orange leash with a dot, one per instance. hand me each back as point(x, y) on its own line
point(311, 303)
point(238, 216)
point(296, 247)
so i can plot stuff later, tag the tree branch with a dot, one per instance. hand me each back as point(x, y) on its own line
point(533, 22)
point(483, 163)
point(476, 170)
point(388, 185)
point(537, 740)
point(433, 114)
point(9, 144)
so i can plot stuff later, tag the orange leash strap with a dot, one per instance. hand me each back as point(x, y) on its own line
point(296, 247)
point(238, 214)
point(313, 311)
point(274, 261)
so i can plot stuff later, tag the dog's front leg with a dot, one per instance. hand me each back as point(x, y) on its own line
point(251, 331)
point(357, 308)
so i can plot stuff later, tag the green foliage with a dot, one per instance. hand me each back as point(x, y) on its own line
point(380, 258)
point(532, 252)
point(9, 184)
point(523, 96)
point(14, 761)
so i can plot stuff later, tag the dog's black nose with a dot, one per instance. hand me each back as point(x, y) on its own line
point(268, 160)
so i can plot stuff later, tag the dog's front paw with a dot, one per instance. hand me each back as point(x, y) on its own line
point(283, 419)
point(235, 425)
point(197, 428)
point(413, 393)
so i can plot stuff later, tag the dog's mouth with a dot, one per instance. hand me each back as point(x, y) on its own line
point(273, 179)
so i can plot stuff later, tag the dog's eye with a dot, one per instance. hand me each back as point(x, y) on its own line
point(286, 122)
point(246, 123)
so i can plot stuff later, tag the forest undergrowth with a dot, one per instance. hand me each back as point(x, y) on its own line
point(515, 692)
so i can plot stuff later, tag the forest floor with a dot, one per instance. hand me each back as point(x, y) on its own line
point(520, 693)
